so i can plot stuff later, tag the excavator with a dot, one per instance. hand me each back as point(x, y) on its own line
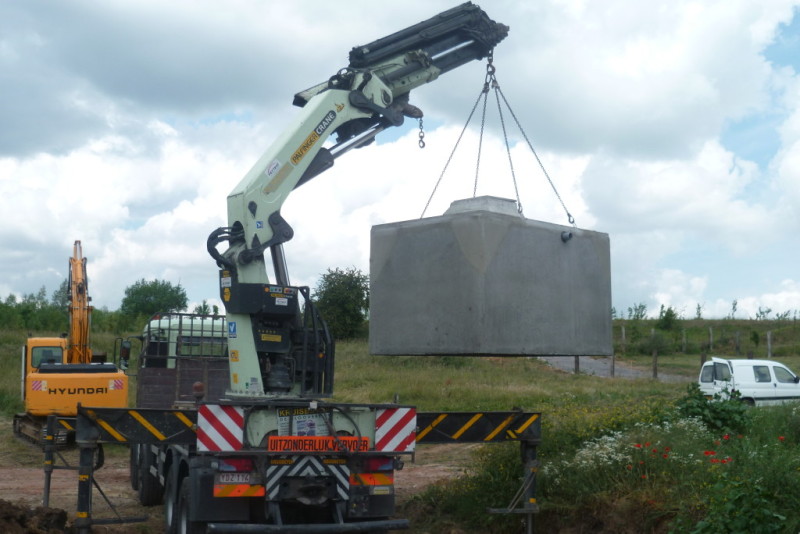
point(58, 373)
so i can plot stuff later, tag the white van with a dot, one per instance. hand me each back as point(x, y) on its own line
point(760, 382)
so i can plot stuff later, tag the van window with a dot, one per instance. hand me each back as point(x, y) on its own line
point(707, 373)
point(783, 375)
point(761, 373)
point(722, 371)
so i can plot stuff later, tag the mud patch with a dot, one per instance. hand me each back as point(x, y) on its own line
point(16, 519)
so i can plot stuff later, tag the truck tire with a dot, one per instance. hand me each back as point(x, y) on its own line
point(133, 467)
point(171, 498)
point(150, 490)
point(184, 525)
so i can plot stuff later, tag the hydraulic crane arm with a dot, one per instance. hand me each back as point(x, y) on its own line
point(356, 103)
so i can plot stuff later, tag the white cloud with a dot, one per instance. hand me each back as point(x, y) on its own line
point(129, 123)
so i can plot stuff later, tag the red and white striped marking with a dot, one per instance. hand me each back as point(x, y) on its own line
point(115, 384)
point(395, 429)
point(219, 428)
point(38, 385)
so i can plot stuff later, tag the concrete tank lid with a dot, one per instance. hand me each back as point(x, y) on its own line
point(505, 206)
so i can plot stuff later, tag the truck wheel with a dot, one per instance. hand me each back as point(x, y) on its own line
point(134, 466)
point(184, 525)
point(170, 502)
point(150, 490)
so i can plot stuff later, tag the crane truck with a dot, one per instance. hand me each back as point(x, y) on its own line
point(272, 453)
point(58, 373)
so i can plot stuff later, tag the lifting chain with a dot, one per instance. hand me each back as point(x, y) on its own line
point(490, 82)
point(421, 134)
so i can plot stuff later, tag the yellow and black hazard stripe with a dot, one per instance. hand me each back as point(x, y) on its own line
point(122, 425)
point(477, 427)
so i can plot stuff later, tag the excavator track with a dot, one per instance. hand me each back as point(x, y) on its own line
point(34, 430)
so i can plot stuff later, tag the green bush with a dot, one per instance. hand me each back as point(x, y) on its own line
point(722, 415)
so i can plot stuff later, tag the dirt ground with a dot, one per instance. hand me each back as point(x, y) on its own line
point(22, 482)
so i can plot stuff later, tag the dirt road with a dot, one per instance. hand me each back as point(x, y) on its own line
point(601, 366)
point(22, 484)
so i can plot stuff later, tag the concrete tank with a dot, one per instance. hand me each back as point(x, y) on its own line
point(482, 280)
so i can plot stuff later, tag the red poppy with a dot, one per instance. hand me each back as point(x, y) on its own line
point(726, 437)
point(781, 438)
point(637, 445)
point(709, 453)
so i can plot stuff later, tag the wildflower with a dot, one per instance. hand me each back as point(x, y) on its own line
point(709, 453)
point(665, 455)
point(715, 460)
point(644, 476)
point(629, 467)
point(654, 451)
point(781, 438)
point(637, 445)
point(646, 443)
point(726, 437)
point(667, 449)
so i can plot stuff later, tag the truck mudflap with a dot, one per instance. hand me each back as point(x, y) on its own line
point(361, 526)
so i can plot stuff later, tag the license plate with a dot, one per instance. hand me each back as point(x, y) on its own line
point(232, 478)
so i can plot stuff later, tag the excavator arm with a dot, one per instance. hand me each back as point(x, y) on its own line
point(80, 311)
point(356, 103)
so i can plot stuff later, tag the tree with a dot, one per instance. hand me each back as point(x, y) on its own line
point(698, 312)
point(342, 298)
point(147, 298)
point(637, 312)
point(667, 318)
point(202, 309)
point(61, 295)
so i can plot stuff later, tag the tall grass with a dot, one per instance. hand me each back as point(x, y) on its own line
point(659, 471)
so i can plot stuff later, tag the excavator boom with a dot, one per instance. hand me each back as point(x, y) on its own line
point(80, 311)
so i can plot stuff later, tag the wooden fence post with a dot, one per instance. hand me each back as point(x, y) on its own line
point(769, 343)
point(655, 353)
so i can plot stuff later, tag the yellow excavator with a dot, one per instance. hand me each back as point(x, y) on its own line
point(58, 373)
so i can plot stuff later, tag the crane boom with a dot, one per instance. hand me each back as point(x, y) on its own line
point(356, 103)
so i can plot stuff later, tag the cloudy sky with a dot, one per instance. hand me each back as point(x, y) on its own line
point(673, 126)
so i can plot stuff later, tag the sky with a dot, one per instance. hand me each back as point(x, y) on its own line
point(672, 126)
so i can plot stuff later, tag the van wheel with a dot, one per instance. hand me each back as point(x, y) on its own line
point(749, 402)
point(150, 490)
point(184, 525)
point(133, 467)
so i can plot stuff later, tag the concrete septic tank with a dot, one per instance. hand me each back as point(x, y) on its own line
point(482, 280)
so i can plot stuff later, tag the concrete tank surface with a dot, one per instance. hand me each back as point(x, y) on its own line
point(482, 280)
